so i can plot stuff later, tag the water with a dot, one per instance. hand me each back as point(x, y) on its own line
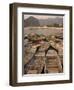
point(44, 31)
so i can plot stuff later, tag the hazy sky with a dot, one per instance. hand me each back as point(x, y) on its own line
point(42, 16)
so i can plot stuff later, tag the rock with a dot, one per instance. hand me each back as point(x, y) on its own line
point(53, 70)
point(32, 72)
point(51, 53)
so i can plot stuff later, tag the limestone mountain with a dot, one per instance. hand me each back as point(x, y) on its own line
point(31, 21)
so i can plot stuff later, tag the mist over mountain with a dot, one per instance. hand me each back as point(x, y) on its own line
point(32, 21)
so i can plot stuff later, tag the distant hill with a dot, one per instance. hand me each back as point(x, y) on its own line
point(51, 21)
point(31, 21)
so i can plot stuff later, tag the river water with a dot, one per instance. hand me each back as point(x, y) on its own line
point(44, 31)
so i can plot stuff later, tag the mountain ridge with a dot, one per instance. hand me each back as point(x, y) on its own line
point(32, 21)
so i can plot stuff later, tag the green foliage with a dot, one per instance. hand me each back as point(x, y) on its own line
point(49, 25)
point(55, 25)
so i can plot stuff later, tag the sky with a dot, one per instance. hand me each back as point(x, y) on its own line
point(42, 16)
